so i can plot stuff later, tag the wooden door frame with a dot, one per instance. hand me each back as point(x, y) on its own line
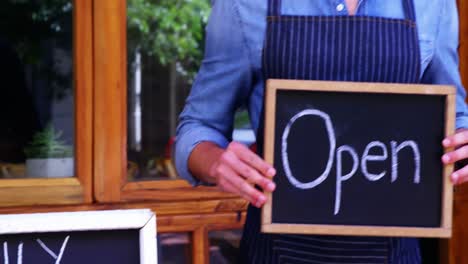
point(109, 82)
point(456, 246)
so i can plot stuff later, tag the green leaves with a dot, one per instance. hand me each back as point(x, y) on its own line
point(47, 144)
point(170, 30)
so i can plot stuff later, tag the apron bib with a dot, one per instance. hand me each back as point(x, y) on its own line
point(334, 48)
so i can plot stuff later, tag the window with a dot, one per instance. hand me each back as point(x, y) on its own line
point(165, 48)
point(37, 101)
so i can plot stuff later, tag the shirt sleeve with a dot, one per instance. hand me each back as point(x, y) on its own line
point(444, 69)
point(222, 84)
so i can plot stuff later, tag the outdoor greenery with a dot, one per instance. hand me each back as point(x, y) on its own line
point(170, 30)
point(48, 144)
point(241, 119)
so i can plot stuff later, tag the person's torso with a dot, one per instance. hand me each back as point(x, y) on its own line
point(333, 48)
point(252, 17)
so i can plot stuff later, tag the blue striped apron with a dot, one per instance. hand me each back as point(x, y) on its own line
point(334, 48)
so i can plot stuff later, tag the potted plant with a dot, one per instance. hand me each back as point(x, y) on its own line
point(48, 156)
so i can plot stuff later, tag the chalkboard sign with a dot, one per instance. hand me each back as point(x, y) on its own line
point(358, 158)
point(118, 237)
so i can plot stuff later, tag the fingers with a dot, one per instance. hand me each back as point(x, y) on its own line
point(460, 176)
point(238, 170)
point(458, 139)
point(252, 159)
point(226, 186)
point(230, 181)
point(247, 172)
point(456, 155)
point(458, 142)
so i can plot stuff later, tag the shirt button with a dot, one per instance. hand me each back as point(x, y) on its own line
point(340, 7)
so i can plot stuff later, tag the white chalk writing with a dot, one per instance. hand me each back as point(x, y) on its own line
point(284, 150)
point(341, 178)
point(5, 253)
point(19, 259)
point(20, 254)
point(417, 159)
point(365, 159)
point(51, 253)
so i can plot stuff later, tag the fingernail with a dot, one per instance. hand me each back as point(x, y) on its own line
point(445, 158)
point(261, 200)
point(271, 186)
point(271, 172)
point(446, 142)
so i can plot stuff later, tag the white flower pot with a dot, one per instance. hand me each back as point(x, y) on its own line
point(50, 168)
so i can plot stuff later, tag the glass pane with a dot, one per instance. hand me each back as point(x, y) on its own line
point(174, 248)
point(36, 76)
point(224, 246)
point(165, 47)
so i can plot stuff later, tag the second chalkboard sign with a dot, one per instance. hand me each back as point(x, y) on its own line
point(358, 158)
point(94, 237)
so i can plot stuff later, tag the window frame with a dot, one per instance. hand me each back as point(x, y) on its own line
point(78, 189)
point(110, 119)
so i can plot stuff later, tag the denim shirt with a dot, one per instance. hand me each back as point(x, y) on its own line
point(231, 76)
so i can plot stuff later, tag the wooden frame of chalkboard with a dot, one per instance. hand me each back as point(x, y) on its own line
point(143, 220)
point(273, 86)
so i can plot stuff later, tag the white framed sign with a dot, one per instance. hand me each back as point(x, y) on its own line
point(117, 236)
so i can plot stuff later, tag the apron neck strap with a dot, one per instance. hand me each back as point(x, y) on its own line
point(408, 7)
point(274, 9)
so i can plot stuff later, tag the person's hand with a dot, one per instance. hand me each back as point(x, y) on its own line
point(238, 169)
point(458, 141)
